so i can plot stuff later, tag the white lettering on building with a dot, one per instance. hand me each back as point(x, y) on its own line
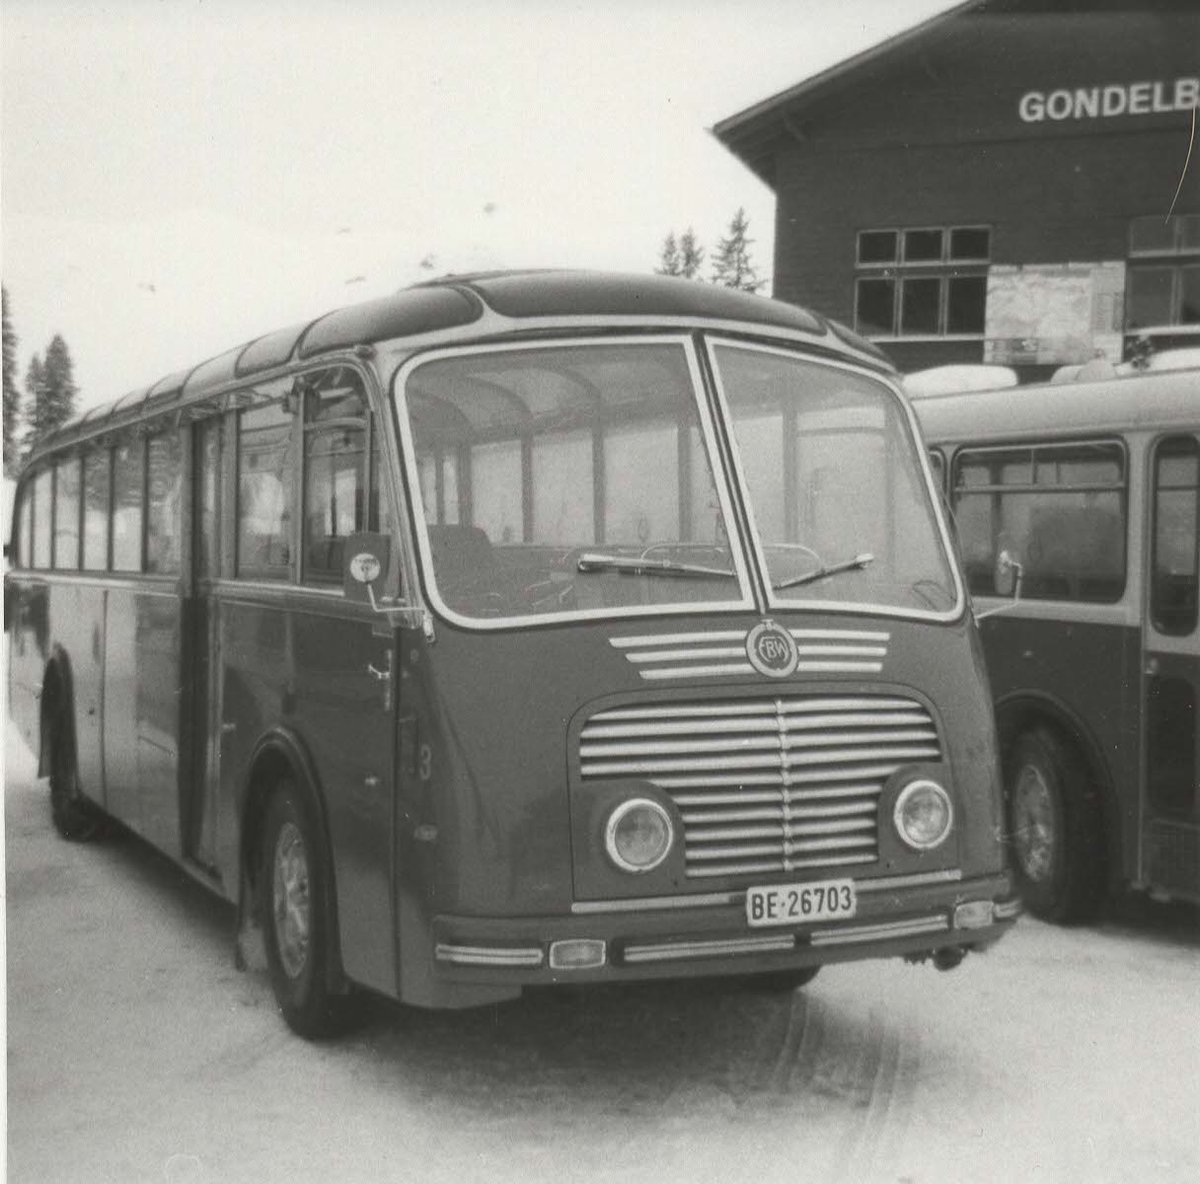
point(1106, 102)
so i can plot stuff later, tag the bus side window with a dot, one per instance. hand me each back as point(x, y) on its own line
point(266, 472)
point(1173, 575)
point(97, 482)
point(23, 557)
point(335, 477)
point(129, 478)
point(164, 462)
point(42, 508)
point(66, 514)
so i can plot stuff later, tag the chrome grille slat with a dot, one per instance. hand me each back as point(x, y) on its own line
point(768, 785)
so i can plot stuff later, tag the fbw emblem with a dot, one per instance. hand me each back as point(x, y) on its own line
point(771, 650)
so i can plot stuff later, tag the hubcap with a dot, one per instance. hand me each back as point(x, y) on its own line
point(1033, 824)
point(290, 899)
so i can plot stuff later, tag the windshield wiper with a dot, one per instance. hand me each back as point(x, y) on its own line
point(832, 569)
point(627, 565)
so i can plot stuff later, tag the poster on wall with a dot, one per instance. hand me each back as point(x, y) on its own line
point(1054, 313)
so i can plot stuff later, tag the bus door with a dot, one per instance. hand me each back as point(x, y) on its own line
point(201, 773)
point(1171, 673)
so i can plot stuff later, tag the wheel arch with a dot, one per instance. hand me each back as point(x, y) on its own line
point(279, 754)
point(1023, 712)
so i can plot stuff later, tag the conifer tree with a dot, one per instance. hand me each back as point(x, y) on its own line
point(12, 392)
point(668, 256)
point(50, 384)
point(731, 264)
point(691, 255)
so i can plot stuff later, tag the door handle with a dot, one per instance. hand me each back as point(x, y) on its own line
point(381, 675)
point(384, 676)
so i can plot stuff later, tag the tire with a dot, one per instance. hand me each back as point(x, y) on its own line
point(74, 817)
point(1054, 829)
point(294, 900)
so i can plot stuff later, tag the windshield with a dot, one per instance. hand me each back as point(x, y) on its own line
point(572, 478)
point(838, 497)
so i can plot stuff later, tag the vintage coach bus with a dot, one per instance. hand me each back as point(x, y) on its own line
point(1090, 493)
point(518, 629)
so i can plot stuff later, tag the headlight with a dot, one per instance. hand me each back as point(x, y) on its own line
point(638, 835)
point(923, 814)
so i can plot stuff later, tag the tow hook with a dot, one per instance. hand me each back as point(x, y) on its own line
point(948, 957)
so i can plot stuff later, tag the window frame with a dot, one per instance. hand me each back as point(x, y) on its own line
point(1163, 445)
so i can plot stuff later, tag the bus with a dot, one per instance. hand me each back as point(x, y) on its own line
point(1078, 518)
point(518, 629)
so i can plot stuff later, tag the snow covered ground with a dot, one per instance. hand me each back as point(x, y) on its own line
point(136, 1052)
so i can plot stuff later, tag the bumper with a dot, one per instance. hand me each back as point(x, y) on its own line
point(705, 935)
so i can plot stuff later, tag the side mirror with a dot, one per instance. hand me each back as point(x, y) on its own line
point(365, 569)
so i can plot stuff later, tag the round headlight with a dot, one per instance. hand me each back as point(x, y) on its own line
point(923, 814)
point(638, 835)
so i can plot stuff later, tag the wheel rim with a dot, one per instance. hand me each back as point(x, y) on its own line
point(291, 899)
point(1034, 824)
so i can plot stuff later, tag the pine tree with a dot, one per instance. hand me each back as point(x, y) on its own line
point(731, 265)
point(691, 255)
point(12, 392)
point(52, 389)
point(668, 257)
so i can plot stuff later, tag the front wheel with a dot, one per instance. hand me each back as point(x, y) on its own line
point(293, 893)
point(1054, 828)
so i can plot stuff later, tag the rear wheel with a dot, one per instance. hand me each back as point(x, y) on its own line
point(293, 894)
point(74, 817)
point(1054, 828)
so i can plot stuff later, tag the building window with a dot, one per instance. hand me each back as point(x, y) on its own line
point(922, 282)
point(1163, 277)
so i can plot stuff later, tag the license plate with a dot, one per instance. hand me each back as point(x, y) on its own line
point(792, 904)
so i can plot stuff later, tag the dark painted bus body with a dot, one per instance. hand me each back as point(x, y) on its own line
point(664, 666)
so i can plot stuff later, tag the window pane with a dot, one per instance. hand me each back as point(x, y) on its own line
point(877, 246)
point(25, 529)
point(1149, 297)
point(919, 311)
point(496, 491)
point(875, 307)
point(266, 483)
point(563, 506)
point(1088, 464)
point(128, 477)
point(43, 500)
point(97, 472)
point(66, 514)
point(165, 464)
point(970, 242)
point(1174, 576)
point(334, 498)
point(966, 300)
point(208, 459)
point(1150, 234)
point(833, 473)
point(646, 510)
point(1189, 307)
point(922, 246)
point(1188, 235)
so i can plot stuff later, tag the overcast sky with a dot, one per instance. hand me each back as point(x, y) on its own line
point(179, 176)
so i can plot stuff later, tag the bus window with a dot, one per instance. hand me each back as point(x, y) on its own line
point(66, 514)
point(834, 474)
point(334, 471)
point(165, 473)
point(97, 479)
point(1173, 576)
point(1058, 509)
point(25, 527)
point(129, 478)
point(208, 454)
point(266, 481)
point(42, 503)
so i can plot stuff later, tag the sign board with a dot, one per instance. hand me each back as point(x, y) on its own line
point(1054, 313)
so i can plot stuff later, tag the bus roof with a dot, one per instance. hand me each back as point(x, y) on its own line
point(494, 303)
point(1151, 401)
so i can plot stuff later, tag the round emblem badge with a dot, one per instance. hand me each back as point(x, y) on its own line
point(771, 650)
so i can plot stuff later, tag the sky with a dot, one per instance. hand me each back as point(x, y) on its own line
point(181, 176)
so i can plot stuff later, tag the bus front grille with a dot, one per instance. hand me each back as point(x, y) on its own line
point(766, 785)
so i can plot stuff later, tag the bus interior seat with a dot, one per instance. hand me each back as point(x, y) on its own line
point(463, 560)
